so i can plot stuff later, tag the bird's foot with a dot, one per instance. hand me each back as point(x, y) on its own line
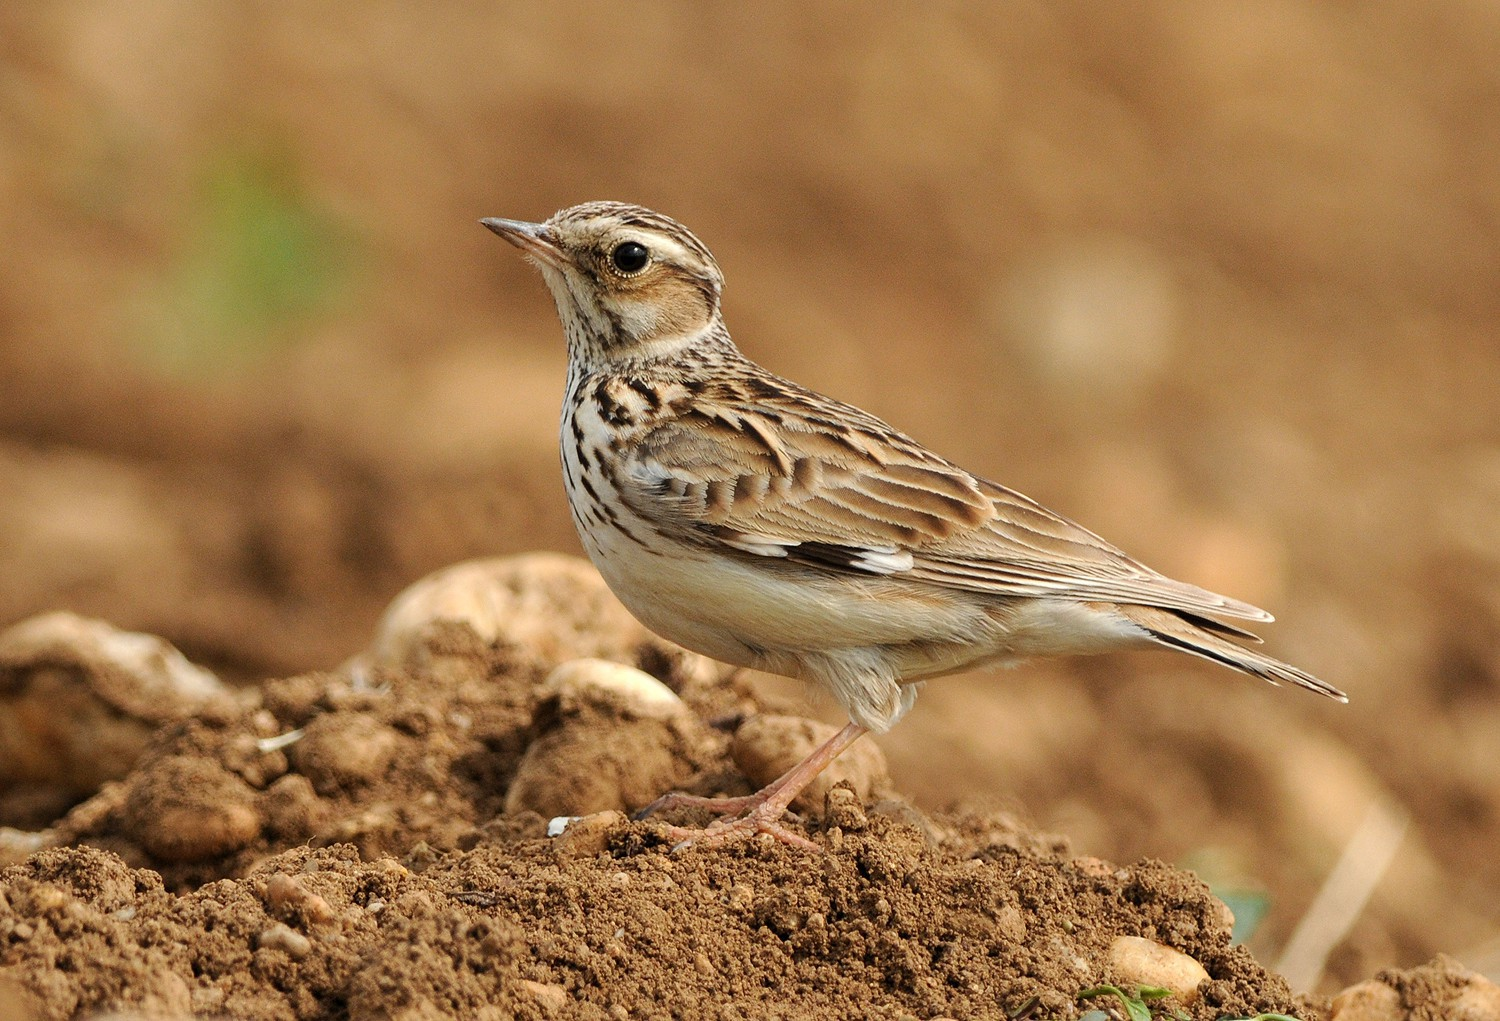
point(757, 813)
point(761, 819)
point(755, 816)
point(714, 806)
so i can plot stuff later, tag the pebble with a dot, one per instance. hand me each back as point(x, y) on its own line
point(585, 836)
point(16, 845)
point(1144, 962)
point(550, 997)
point(594, 680)
point(285, 893)
point(283, 937)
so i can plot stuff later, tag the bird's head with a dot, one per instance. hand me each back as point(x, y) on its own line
point(629, 283)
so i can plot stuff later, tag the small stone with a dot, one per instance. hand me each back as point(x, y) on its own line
point(79, 699)
point(1144, 962)
point(16, 845)
point(741, 896)
point(550, 997)
point(554, 607)
point(586, 836)
point(283, 937)
point(285, 893)
point(599, 680)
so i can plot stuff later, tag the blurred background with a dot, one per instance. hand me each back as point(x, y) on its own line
point(1221, 281)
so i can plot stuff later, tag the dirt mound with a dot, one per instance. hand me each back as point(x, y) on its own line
point(353, 844)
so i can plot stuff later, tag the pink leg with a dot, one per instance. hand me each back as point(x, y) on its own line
point(714, 806)
point(762, 810)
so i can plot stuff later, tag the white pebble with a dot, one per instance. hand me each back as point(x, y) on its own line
point(639, 691)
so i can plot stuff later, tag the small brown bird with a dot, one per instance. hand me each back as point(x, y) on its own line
point(755, 521)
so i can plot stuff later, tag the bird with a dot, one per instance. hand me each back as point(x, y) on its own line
point(765, 525)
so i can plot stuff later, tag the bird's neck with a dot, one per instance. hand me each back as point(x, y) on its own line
point(591, 351)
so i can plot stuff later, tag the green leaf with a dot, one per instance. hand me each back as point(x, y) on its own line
point(1135, 1008)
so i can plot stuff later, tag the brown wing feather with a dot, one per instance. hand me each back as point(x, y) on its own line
point(772, 466)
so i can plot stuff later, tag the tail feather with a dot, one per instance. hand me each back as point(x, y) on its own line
point(1219, 627)
point(1191, 634)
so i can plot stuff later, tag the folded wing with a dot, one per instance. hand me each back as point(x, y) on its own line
point(786, 473)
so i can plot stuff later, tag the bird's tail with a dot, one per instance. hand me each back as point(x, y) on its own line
point(1187, 634)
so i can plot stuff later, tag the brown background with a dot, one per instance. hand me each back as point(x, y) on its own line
point(1220, 281)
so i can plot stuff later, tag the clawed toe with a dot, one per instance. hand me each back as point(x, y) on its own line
point(730, 831)
point(756, 815)
point(760, 812)
point(714, 806)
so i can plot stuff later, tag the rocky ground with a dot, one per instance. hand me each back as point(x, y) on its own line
point(439, 829)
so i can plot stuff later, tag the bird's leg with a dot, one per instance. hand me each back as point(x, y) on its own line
point(760, 812)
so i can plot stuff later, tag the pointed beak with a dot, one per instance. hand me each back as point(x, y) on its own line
point(534, 239)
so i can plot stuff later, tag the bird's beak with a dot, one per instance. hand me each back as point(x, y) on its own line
point(532, 238)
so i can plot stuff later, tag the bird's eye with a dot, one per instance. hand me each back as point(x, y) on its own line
point(630, 257)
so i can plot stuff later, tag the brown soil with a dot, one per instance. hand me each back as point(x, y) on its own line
point(367, 869)
point(1219, 281)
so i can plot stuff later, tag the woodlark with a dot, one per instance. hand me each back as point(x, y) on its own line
point(755, 521)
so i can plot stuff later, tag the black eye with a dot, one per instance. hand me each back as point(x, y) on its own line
point(630, 257)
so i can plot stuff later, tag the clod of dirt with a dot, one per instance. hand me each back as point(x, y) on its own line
point(1144, 962)
point(1442, 990)
point(765, 746)
point(1371, 1000)
point(339, 752)
point(609, 738)
point(554, 607)
point(15, 844)
point(190, 809)
point(79, 699)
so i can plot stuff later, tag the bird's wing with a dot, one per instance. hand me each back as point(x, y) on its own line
point(778, 471)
